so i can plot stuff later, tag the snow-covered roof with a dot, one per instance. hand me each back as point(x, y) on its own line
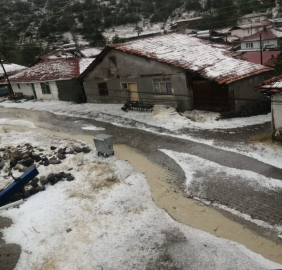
point(252, 15)
point(53, 69)
point(266, 34)
point(271, 86)
point(90, 52)
point(190, 19)
point(10, 69)
point(194, 55)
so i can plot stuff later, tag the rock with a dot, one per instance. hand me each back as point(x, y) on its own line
point(40, 150)
point(26, 193)
point(60, 175)
point(66, 175)
point(41, 163)
point(61, 156)
point(34, 156)
point(43, 181)
point(40, 188)
point(15, 197)
point(34, 184)
point(25, 156)
point(44, 158)
point(13, 163)
point(51, 178)
point(2, 164)
point(46, 163)
point(2, 149)
point(27, 162)
point(33, 191)
point(35, 179)
point(27, 144)
point(18, 157)
point(70, 152)
point(70, 169)
point(17, 167)
point(54, 161)
point(68, 230)
point(62, 151)
point(70, 178)
point(77, 149)
point(29, 147)
point(85, 150)
point(53, 148)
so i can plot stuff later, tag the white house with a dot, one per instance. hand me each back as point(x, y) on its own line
point(245, 30)
point(270, 39)
point(273, 88)
point(55, 78)
point(252, 18)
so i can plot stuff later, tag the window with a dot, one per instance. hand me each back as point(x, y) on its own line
point(162, 86)
point(112, 61)
point(124, 86)
point(103, 89)
point(45, 88)
point(249, 45)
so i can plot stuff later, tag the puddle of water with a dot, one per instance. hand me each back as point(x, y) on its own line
point(182, 209)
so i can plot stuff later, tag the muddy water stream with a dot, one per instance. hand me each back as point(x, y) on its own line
point(171, 199)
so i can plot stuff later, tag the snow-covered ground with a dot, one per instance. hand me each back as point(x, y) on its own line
point(166, 118)
point(106, 219)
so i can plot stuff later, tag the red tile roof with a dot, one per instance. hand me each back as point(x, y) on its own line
point(194, 55)
point(266, 34)
point(271, 86)
point(268, 57)
point(52, 69)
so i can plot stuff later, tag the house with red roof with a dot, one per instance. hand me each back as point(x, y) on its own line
point(273, 89)
point(173, 69)
point(270, 40)
point(48, 79)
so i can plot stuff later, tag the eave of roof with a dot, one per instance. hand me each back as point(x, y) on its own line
point(271, 86)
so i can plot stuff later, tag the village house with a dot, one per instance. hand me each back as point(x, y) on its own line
point(273, 89)
point(51, 78)
point(173, 69)
point(252, 18)
point(183, 25)
point(270, 40)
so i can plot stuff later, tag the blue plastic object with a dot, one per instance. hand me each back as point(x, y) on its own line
point(17, 185)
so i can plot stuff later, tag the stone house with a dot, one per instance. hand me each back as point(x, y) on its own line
point(273, 89)
point(173, 69)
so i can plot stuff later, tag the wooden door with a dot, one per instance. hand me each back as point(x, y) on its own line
point(133, 92)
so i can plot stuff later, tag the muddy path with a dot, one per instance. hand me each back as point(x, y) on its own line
point(164, 183)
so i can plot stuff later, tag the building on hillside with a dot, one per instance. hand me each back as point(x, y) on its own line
point(245, 30)
point(49, 79)
point(191, 23)
point(273, 89)
point(70, 51)
point(268, 57)
point(173, 69)
point(270, 40)
point(10, 70)
point(252, 18)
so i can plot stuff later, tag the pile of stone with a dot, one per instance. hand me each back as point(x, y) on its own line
point(22, 157)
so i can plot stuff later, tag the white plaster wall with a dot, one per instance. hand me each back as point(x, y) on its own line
point(249, 20)
point(25, 88)
point(53, 88)
point(276, 109)
point(256, 44)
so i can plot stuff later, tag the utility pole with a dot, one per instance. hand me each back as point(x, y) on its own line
point(11, 92)
point(260, 49)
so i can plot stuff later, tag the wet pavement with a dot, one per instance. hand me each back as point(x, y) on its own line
point(260, 204)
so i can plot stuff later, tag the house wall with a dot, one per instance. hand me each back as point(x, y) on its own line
point(256, 44)
point(24, 88)
point(53, 90)
point(70, 90)
point(246, 99)
point(247, 32)
point(276, 113)
point(135, 69)
point(252, 20)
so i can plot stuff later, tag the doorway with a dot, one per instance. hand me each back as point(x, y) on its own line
point(133, 92)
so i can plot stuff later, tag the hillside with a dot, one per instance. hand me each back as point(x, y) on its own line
point(33, 27)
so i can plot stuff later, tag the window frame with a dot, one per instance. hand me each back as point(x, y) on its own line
point(164, 83)
point(249, 45)
point(46, 90)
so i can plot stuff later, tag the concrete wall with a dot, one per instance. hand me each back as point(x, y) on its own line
point(245, 98)
point(134, 69)
point(276, 112)
point(24, 88)
point(256, 44)
point(53, 90)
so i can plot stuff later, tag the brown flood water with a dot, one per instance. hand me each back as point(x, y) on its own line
point(182, 209)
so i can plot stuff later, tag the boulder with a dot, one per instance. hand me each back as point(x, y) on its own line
point(27, 162)
point(46, 163)
point(25, 156)
point(35, 179)
point(53, 147)
point(85, 149)
point(34, 184)
point(70, 178)
point(26, 193)
point(15, 197)
point(18, 156)
point(43, 181)
point(70, 152)
point(61, 156)
point(13, 163)
point(60, 175)
point(77, 149)
point(54, 161)
point(51, 177)
point(2, 164)
point(33, 191)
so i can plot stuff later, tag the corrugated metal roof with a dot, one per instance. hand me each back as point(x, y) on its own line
point(194, 55)
point(53, 69)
